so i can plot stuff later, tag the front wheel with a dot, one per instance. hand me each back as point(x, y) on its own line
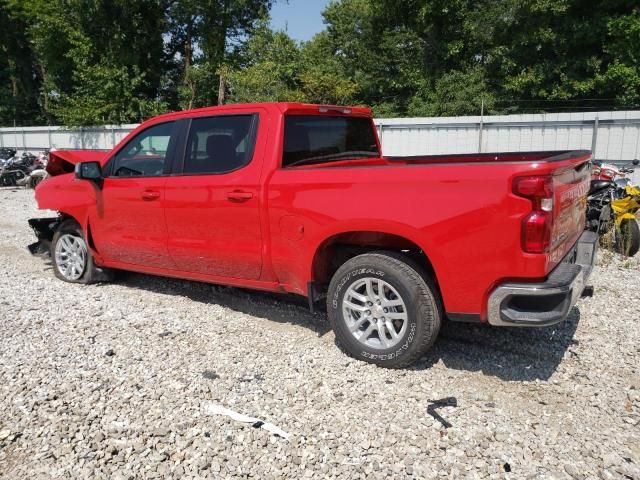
point(628, 237)
point(383, 309)
point(72, 260)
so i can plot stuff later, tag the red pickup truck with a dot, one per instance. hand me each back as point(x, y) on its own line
point(290, 197)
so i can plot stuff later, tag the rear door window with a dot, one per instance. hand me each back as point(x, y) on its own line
point(320, 139)
point(219, 144)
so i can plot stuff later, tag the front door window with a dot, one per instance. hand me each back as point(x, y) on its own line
point(145, 155)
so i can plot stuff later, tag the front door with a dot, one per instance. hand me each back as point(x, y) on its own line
point(213, 204)
point(128, 225)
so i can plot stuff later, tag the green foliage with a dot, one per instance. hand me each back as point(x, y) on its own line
point(82, 62)
point(269, 72)
point(107, 94)
point(203, 37)
point(455, 93)
point(277, 69)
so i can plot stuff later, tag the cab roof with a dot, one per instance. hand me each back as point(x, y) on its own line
point(282, 107)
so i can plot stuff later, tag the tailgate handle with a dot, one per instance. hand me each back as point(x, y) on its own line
point(239, 196)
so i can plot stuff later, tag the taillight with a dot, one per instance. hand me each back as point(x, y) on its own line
point(536, 227)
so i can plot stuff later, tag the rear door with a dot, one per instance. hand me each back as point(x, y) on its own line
point(213, 203)
point(128, 225)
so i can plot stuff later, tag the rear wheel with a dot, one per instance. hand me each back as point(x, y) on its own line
point(72, 260)
point(34, 181)
point(383, 309)
point(8, 179)
point(628, 238)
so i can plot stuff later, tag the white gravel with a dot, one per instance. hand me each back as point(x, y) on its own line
point(115, 381)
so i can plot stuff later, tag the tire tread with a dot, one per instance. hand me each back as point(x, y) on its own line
point(426, 289)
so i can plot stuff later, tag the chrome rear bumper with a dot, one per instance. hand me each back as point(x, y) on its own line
point(542, 304)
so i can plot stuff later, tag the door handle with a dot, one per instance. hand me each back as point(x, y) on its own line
point(239, 196)
point(150, 195)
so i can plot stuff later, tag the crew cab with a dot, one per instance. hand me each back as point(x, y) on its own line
point(298, 198)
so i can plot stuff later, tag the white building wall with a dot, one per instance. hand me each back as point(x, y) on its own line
point(617, 136)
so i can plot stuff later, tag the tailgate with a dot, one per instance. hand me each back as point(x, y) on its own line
point(570, 186)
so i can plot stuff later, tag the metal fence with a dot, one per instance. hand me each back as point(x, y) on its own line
point(613, 136)
point(46, 138)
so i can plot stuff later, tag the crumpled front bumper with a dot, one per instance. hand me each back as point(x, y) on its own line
point(547, 303)
point(44, 228)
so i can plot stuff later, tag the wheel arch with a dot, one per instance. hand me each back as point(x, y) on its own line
point(336, 249)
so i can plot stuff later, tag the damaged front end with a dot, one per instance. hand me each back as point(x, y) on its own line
point(44, 228)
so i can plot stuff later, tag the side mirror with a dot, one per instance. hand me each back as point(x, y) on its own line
point(88, 171)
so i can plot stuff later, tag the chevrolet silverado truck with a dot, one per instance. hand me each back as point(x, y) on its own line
point(298, 198)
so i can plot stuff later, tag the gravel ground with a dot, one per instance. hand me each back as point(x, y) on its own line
point(118, 381)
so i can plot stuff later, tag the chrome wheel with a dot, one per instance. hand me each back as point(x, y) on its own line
point(375, 313)
point(71, 256)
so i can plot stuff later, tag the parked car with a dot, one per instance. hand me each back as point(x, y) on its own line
point(299, 198)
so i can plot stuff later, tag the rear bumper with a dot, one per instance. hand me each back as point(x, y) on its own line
point(549, 302)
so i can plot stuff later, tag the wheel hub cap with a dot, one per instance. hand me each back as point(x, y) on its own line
point(375, 313)
point(71, 256)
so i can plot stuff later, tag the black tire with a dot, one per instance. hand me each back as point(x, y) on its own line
point(91, 273)
point(34, 181)
point(628, 238)
point(415, 289)
point(8, 180)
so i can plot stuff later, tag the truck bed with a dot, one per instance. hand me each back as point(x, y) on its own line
point(544, 156)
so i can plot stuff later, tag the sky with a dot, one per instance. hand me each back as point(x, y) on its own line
point(301, 19)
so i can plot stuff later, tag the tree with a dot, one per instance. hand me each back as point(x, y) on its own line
point(621, 79)
point(269, 72)
point(19, 81)
point(275, 68)
point(96, 61)
point(204, 35)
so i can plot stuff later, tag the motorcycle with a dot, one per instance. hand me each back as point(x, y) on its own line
point(16, 169)
point(11, 173)
point(627, 231)
point(7, 153)
point(600, 216)
point(610, 172)
point(612, 204)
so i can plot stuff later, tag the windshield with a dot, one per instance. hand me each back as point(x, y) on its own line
point(320, 139)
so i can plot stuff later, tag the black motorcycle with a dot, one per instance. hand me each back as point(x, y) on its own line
point(600, 216)
point(15, 169)
point(7, 153)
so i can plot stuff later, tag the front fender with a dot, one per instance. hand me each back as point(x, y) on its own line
point(624, 216)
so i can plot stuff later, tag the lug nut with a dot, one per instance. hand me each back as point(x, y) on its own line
point(370, 304)
point(386, 310)
point(367, 313)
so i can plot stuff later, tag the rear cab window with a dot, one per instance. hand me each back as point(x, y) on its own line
point(321, 139)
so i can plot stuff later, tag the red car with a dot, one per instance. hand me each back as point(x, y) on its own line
point(298, 198)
